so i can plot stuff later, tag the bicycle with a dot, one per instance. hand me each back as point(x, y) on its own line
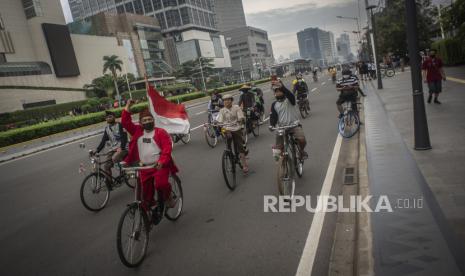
point(140, 221)
point(229, 159)
point(304, 105)
point(211, 132)
point(387, 72)
point(349, 123)
point(252, 123)
point(289, 161)
point(96, 186)
point(184, 138)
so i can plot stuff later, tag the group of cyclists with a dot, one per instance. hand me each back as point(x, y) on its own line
point(150, 145)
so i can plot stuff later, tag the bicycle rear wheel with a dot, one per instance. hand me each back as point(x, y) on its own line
point(349, 124)
point(286, 181)
point(94, 192)
point(229, 169)
point(133, 235)
point(210, 136)
point(186, 138)
point(176, 192)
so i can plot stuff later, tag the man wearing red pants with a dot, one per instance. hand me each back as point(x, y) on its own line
point(150, 145)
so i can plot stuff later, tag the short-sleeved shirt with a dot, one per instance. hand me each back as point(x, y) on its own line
point(433, 69)
point(149, 152)
point(231, 116)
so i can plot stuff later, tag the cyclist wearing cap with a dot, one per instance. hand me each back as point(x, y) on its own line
point(247, 98)
point(117, 140)
point(149, 146)
point(348, 87)
point(284, 113)
point(259, 100)
point(233, 117)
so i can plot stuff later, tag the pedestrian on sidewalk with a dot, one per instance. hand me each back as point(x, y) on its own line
point(433, 75)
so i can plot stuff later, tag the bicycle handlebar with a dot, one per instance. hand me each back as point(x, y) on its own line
point(139, 168)
point(285, 127)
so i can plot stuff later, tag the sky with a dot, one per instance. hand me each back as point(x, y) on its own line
point(283, 19)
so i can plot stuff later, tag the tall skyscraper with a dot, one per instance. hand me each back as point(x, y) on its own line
point(229, 14)
point(317, 45)
point(343, 46)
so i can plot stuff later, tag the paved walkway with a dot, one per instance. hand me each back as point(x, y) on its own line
point(418, 241)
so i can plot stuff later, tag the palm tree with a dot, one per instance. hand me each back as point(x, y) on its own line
point(113, 63)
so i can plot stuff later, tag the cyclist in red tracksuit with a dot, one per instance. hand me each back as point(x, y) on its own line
point(150, 145)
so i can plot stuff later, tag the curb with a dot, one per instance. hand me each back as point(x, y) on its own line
point(49, 146)
point(364, 260)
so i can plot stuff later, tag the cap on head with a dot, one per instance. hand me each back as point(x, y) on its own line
point(228, 97)
point(109, 113)
point(145, 113)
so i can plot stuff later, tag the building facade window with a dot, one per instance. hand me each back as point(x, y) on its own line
point(138, 7)
point(161, 20)
point(186, 16)
point(129, 8)
point(32, 8)
point(157, 5)
point(147, 6)
point(173, 19)
point(120, 9)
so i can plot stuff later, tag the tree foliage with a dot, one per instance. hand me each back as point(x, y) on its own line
point(392, 29)
point(191, 69)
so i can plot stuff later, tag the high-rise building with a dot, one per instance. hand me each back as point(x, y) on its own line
point(188, 26)
point(141, 33)
point(343, 46)
point(229, 14)
point(37, 50)
point(251, 52)
point(317, 45)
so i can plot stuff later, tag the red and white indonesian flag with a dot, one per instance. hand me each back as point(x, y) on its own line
point(169, 116)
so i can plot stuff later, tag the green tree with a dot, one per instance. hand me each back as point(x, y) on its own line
point(453, 19)
point(391, 26)
point(113, 64)
point(101, 86)
point(191, 70)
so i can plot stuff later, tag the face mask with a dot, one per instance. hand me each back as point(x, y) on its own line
point(148, 126)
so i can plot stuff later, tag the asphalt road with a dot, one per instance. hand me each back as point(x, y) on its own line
point(46, 230)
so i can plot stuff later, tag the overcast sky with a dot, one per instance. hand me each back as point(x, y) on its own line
point(283, 19)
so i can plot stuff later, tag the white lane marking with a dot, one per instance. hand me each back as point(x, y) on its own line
point(200, 113)
point(311, 245)
point(314, 89)
point(323, 83)
point(197, 127)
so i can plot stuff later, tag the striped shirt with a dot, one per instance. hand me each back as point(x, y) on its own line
point(350, 81)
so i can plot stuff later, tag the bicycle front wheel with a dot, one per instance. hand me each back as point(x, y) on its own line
point(286, 181)
point(176, 193)
point(133, 236)
point(210, 136)
point(390, 73)
point(95, 192)
point(303, 110)
point(229, 169)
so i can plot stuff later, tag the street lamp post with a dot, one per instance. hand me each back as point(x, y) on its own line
point(422, 141)
point(242, 69)
point(375, 44)
point(201, 72)
point(352, 18)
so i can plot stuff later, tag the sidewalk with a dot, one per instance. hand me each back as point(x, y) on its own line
point(437, 175)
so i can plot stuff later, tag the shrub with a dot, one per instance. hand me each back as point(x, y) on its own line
point(39, 113)
point(451, 51)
